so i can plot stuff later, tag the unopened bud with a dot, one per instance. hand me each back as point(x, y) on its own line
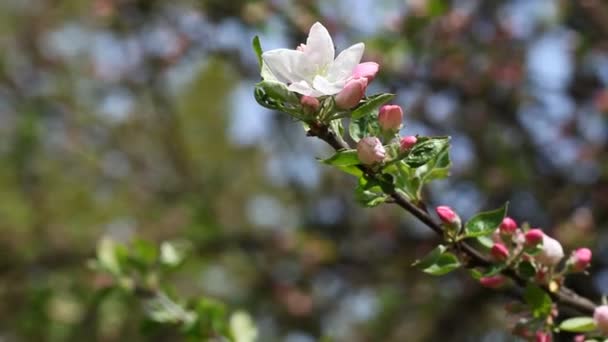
point(533, 237)
point(367, 70)
point(500, 252)
point(542, 336)
point(600, 316)
point(580, 259)
point(370, 150)
point(309, 103)
point(551, 253)
point(448, 216)
point(351, 94)
point(407, 142)
point(390, 117)
point(508, 226)
point(493, 282)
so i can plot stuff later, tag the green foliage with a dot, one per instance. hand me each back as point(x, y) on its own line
point(137, 267)
point(438, 262)
point(364, 126)
point(274, 95)
point(538, 300)
point(369, 193)
point(578, 324)
point(370, 104)
point(484, 223)
point(427, 149)
point(526, 269)
point(257, 49)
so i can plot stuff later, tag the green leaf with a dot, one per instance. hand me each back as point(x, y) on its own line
point(363, 127)
point(538, 300)
point(274, 95)
point(438, 262)
point(437, 168)
point(369, 193)
point(578, 324)
point(257, 48)
point(427, 149)
point(485, 223)
point(370, 104)
point(343, 158)
point(526, 269)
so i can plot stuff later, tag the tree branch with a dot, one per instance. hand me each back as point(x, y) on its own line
point(564, 295)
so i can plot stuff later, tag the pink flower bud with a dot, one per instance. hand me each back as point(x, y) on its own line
point(542, 336)
point(447, 215)
point(600, 316)
point(499, 252)
point(301, 47)
point(390, 117)
point(352, 93)
point(579, 338)
point(367, 70)
point(580, 259)
point(508, 226)
point(309, 103)
point(552, 252)
point(534, 237)
point(407, 142)
point(493, 282)
point(370, 150)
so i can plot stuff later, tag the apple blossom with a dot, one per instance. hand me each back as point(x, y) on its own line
point(508, 226)
point(309, 103)
point(353, 92)
point(580, 259)
point(407, 142)
point(600, 316)
point(499, 252)
point(534, 237)
point(493, 282)
point(448, 216)
point(370, 150)
point(390, 117)
point(367, 70)
point(311, 69)
point(551, 253)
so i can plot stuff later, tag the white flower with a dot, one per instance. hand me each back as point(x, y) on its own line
point(552, 252)
point(311, 69)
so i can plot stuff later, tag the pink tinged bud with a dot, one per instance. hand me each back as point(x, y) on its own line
point(351, 94)
point(447, 215)
point(301, 47)
point(579, 338)
point(600, 316)
point(581, 258)
point(366, 70)
point(370, 150)
point(542, 336)
point(534, 237)
point(390, 117)
point(492, 282)
point(552, 252)
point(407, 142)
point(310, 103)
point(499, 252)
point(508, 226)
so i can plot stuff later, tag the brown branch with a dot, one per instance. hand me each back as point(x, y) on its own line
point(564, 295)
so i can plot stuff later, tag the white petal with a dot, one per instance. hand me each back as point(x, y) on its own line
point(284, 64)
point(326, 87)
point(319, 46)
point(342, 68)
point(304, 88)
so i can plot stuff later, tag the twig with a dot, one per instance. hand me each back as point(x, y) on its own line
point(564, 295)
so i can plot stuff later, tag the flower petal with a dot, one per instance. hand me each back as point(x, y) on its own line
point(319, 46)
point(284, 64)
point(304, 88)
point(344, 65)
point(326, 87)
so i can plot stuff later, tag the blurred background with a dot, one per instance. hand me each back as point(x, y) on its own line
point(135, 119)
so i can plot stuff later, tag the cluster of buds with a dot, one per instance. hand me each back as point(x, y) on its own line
point(370, 150)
